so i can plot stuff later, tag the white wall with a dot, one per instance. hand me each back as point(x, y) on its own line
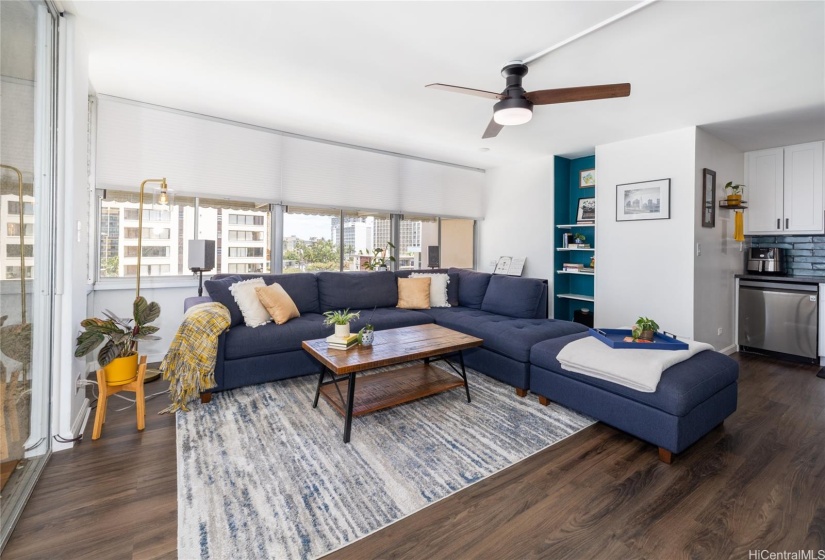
point(646, 267)
point(721, 257)
point(518, 218)
point(72, 243)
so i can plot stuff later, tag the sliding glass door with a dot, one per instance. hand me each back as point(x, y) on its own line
point(27, 44)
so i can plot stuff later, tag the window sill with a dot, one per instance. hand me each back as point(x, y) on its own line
point(147, 283)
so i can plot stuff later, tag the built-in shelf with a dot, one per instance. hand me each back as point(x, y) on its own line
point(569, 226)
point(574, 249)
point(579, 273)
point(580, 297)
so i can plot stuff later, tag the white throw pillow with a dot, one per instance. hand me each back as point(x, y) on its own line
point(253, 311)
point(438, 288)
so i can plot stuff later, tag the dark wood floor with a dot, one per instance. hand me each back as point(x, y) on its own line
point(756, 483)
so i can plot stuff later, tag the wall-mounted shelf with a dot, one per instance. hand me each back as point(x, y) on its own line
point(739, 206)
point(579, 297)
point(570, 226)
point(574, 249)
point(578, 273)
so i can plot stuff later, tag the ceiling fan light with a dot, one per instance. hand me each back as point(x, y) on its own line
point(512, 116)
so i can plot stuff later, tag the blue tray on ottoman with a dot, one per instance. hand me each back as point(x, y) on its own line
point(615, 339)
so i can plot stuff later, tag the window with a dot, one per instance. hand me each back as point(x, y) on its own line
point(149, 215)
point(109, 240)
point(148, 233)
point(238, 219)
point(240, 235)
point(418, 234)
point(14, 250)
point(14, 208)
point(148, 269)
point(246, 251)
point(146, 251)
point(309, 244)
point(13, 272)
point(13, 229)
point(362, 232)
point(245, 268)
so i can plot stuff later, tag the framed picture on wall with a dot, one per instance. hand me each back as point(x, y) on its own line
point(708, 198)
point(587, 178)
point(648, 200)
point(586, 213)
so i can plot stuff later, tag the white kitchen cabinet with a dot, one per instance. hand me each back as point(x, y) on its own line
point(784, 189)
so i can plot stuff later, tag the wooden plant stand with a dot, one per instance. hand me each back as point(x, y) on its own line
point(107, 390)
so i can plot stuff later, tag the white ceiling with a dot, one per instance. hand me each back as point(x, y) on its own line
point(354, 72)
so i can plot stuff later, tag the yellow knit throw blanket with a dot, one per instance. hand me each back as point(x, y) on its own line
point(189, 365)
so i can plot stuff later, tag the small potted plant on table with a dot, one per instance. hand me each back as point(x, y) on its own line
point(644, 329)
point(118, 357)
point(340, 319)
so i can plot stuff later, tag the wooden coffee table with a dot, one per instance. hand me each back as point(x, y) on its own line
point(390, 388)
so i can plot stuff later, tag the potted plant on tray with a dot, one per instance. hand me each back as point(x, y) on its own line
point(644, 329)
point(734, 193)
point(341, 320)
point(118, 357)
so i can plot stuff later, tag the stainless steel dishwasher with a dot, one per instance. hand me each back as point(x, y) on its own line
point(779, 317)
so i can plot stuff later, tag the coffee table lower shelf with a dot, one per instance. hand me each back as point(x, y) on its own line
point(390, 388)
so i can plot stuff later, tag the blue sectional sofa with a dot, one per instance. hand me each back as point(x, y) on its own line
point(509, 314)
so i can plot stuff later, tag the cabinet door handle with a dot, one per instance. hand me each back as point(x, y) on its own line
point(787, 225)
point(778, 223)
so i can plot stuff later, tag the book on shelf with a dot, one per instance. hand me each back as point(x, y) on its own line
point(586, 270)
point(585, 222)
point(581, 245)
point(566, 240)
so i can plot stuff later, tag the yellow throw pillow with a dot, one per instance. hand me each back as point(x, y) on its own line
point(414, 293)
point(278, 303)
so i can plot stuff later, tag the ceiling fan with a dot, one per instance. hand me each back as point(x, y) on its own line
point(515, 105)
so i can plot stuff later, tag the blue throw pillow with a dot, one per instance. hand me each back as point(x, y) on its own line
point(513, 297)
point(218, 290)
point(472, 286)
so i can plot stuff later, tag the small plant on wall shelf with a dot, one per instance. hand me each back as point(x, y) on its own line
point(734, 193)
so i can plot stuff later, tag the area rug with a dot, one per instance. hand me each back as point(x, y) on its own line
point(261, 474)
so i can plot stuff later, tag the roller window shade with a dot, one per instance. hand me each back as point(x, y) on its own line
point(334, 175)
point(197, 155)
point(430, 188)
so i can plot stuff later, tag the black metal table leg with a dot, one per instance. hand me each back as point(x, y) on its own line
point(464, 374)
point(350, 402)
point(318, 390)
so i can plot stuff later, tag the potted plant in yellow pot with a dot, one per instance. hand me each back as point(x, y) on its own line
point(734, 193)
point(118, 357)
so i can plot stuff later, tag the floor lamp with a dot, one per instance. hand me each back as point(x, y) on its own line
point(161, 197)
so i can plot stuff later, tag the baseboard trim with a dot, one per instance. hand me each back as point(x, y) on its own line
point(78, 426)
point(728, 350)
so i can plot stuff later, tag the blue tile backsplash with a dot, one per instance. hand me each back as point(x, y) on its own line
point(804, 254)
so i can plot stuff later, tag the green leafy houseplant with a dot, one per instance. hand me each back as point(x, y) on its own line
point(340, 317)
point(730, 188)
point(579, 238)
point(119, 336)
point(380, 259)
point(645, 328)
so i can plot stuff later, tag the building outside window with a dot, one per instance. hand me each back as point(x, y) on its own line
point(308, 244)
point(148, 233)
point(14, 208)
point(418, 233)
point(13, 229)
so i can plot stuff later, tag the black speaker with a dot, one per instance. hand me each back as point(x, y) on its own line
point(433, 256)
point(201, 255)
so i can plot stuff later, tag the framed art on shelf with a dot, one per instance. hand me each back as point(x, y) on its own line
point(708, 198)
point(647, 200)
point(587, 178)
point(586, 213)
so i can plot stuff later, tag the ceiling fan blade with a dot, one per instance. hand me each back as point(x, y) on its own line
point(468, 91)
point(492, 129)
point(585, 93)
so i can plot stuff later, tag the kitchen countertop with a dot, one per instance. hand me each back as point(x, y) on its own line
point(789, 279)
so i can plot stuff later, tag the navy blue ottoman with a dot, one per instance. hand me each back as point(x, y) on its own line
point(692, 398)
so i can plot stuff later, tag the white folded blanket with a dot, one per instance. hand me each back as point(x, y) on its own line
point(637, 369)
